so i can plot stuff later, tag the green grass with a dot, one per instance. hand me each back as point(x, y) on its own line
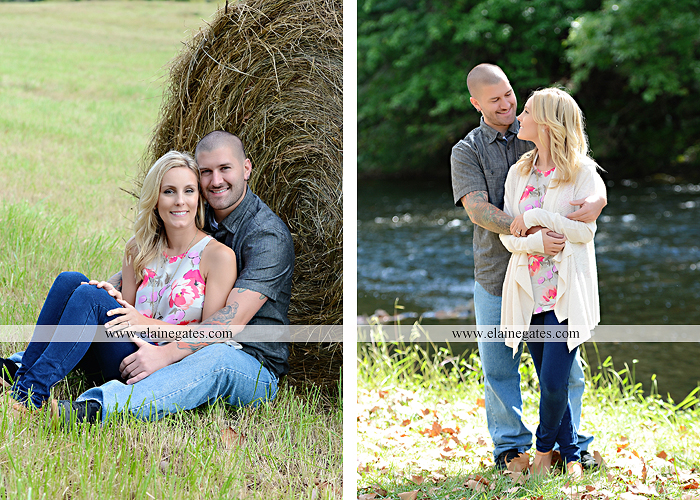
point(80, 90)
point(404, 393)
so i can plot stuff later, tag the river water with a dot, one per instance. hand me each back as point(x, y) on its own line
point(415, 250)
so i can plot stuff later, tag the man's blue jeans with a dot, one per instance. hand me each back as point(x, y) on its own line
point(502, 384)
point(218, 371)
point(69, 306)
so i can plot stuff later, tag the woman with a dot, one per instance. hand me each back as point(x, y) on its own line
point(561, 288)
point(168, 266)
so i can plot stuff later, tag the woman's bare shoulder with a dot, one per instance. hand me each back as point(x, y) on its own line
point(216, 253)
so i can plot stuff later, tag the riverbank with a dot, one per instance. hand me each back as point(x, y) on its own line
point(421, 433)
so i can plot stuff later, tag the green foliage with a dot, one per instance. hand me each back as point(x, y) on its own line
point(413, 59)
point(657, 50)
point(636, 66)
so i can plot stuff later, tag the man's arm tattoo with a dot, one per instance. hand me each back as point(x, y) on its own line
point(116, 281)
point(222, 316)
point(243, 290)
point(484, 214)
point(192, 346)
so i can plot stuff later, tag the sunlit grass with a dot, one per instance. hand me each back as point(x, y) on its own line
point(80, 89)
point(422, 427)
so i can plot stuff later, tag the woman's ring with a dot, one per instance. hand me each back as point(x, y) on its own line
point(128, 324)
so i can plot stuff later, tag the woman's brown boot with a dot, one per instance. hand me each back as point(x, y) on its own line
point(541, 464)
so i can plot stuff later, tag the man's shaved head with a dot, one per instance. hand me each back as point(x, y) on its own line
point(219, 138)
point(483, 75)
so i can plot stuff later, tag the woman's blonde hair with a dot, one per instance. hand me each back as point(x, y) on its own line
point(150, 239)
point(568, 144)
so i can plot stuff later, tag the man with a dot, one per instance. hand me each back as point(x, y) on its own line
point(202, 372)
point(480, 163)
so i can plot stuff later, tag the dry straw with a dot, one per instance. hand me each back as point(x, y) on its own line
point(271, 73)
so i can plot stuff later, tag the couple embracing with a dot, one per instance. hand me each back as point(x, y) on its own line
point(227, 262)
point(533, 194)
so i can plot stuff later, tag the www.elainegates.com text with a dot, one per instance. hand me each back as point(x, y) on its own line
point(176, 335)
point(524, 335)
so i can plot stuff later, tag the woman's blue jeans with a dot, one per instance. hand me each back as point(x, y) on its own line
point(502, 383)
point(553, 362)
point(69, 306)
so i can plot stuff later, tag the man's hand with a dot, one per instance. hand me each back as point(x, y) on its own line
point(590, 210)
point(147, 360)
point(553, 242)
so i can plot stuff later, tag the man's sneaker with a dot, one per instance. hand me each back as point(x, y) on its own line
point(70, 412)
point(588, 461)
point(505, 458)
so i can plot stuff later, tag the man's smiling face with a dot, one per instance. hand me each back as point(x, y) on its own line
point(224, 178)
point(497, 104)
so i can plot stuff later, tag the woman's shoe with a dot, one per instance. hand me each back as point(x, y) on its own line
point(542, 463)
point(8, 369)
point(574, 470)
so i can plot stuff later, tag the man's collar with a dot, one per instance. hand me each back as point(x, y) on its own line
point(232, 220)
point(492, 134)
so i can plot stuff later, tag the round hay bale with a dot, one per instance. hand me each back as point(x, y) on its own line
point(271, 73)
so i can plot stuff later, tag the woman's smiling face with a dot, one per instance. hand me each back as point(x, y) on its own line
point(178, 198)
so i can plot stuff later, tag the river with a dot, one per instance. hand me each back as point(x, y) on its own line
point(415, 250)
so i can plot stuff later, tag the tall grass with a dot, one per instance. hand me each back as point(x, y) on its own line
point(80, 88)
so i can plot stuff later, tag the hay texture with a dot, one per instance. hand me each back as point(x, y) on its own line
point(271, 73)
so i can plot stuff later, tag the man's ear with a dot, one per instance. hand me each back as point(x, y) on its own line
point(247, 169)
point(475, 103)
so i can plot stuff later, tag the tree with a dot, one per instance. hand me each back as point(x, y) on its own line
point(413, 59)
point(636, 70)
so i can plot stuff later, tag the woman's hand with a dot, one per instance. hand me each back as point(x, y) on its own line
point(518, 227)
point(147, 360)
point(106, 285)
point(128, 317)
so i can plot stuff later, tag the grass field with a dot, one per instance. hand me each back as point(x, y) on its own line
point(80, 89)
point(422, 433)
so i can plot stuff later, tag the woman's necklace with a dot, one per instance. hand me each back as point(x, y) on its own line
point(159, 285)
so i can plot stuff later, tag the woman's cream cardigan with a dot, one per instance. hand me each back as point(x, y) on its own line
point(577, 286)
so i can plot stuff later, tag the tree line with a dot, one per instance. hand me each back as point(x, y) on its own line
point(632, 65)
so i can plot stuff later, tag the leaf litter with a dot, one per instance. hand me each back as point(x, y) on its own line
point(393, 424)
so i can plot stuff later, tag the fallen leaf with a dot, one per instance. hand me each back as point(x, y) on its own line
point(405, 422)
point(367, 496)
point(643, 489)
point(425, 412)
point(475, 485)
point(383, 394)
point(481, 402)
point(379, 490)
point(598, 459)
point(409, 495)
point(417, 479)
point(232, 439)
point(662, 455)
point(435, 430)
point(519, 463)
point(690, 496)
point(622, 443)
point(693, 485)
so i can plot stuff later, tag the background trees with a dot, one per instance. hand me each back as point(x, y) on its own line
point(633, 66)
